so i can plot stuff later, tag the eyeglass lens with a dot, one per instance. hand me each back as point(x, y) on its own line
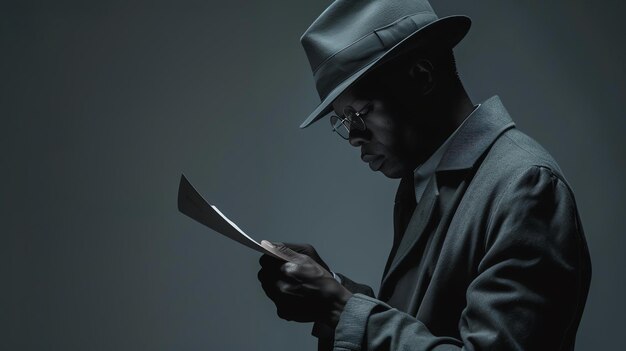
point(340, 126)
point(351, 121)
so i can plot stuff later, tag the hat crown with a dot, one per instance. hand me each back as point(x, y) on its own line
point(352, 37)
point(344, 22)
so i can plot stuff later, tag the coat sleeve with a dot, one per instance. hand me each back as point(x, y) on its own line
point(355, 287)
point(324, 333)
point(529, 290)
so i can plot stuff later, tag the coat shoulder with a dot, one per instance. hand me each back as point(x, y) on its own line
point(514, 153)
point(513, 157)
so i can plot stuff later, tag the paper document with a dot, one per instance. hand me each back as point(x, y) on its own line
point(192, 204)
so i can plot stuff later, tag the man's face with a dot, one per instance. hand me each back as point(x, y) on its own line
point(392, 142)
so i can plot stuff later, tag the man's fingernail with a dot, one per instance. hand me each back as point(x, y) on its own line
point(268, 243)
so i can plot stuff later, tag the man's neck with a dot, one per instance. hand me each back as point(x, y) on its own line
point(450, 110)
point(454, 106)
point(459, 110)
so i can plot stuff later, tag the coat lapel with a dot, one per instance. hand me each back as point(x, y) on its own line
point(472, 141)
point(416, 226)
point(402, 211)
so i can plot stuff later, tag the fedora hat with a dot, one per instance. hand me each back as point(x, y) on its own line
point(352, 37)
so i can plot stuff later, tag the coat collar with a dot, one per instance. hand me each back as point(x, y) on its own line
point(480, 130)
point(466, 147)
point(476, 134)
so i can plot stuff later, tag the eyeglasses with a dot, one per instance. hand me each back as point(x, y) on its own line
point(352, 119)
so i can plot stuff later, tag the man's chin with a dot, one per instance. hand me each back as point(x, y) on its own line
point(393, 172)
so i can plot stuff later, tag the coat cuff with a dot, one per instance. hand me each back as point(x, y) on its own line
point(350, 329)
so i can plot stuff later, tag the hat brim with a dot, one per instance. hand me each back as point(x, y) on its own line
point(445, 32)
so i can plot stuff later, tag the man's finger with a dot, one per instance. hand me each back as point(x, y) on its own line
point(291, 254)
point(270, 262)
point(289, 288)
point(291, 270)
point(282, 251)
point(300, 248)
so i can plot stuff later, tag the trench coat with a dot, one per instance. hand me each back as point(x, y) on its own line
point(492, 258)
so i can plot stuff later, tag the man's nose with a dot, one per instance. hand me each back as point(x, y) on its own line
point(358, 137)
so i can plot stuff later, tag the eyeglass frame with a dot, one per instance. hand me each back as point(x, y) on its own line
point(357, 114)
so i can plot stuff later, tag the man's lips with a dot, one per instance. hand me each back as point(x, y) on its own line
point(375, 161)
point(369, 158)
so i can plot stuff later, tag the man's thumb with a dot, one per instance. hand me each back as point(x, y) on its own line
point(279, 249)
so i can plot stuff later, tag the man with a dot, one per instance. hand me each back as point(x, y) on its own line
point(488, 252)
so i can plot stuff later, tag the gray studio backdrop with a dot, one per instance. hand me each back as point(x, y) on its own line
point(104, 104)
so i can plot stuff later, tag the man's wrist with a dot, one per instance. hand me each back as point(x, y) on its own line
point(337, 306)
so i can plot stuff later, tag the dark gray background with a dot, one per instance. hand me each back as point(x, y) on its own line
point(104, 104)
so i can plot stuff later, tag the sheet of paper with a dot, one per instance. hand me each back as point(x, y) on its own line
point(192, 204)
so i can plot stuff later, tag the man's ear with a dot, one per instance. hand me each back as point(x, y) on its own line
point(421, 72)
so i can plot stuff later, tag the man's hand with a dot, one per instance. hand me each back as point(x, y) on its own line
point(304, 249)
point(303, 289)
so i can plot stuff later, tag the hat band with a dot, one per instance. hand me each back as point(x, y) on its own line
point(368, 48)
